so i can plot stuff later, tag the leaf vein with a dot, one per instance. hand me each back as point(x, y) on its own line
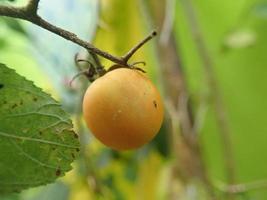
point(37, 140)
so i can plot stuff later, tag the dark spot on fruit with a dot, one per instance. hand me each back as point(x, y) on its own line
point(14, 106)
point(155, 104)
point(58, 172)
point(77, 149)
point(1, 85)
point(34, 99)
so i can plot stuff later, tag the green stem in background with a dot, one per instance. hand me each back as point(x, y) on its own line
point(167, 26)
point(216, 95)
point(185, 146)
point(242, 187)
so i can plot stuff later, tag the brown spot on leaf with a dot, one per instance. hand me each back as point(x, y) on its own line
point(58, 172)
point(19, 139)
point(72, 155)
point(14, 106)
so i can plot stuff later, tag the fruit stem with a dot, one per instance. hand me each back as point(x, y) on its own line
point(29, 13)
point(132, 51)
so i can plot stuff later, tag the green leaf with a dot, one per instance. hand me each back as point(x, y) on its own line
point(37, 143)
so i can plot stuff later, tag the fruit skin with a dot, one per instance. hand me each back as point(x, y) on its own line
point(123, 109)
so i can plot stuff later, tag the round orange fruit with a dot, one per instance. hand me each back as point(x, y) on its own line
point(123, 109)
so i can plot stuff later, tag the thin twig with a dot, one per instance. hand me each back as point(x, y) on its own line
point(29, 13)
point(99, 67)
point(168, 22)
point(213, 85)
point(33, 6)
point(135, 48)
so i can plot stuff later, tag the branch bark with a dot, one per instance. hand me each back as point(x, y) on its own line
point(29, 13)
point(185, 146)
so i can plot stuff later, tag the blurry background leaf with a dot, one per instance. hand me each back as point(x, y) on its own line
point(260, 10)
point(54, 54)
point(114, 25)
point(242, 78)
point(10, 197)
point(240, 39)
point(8, 0)
point(14, 25)
point(55, 191)
point(15, 50)
point(37, 141)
